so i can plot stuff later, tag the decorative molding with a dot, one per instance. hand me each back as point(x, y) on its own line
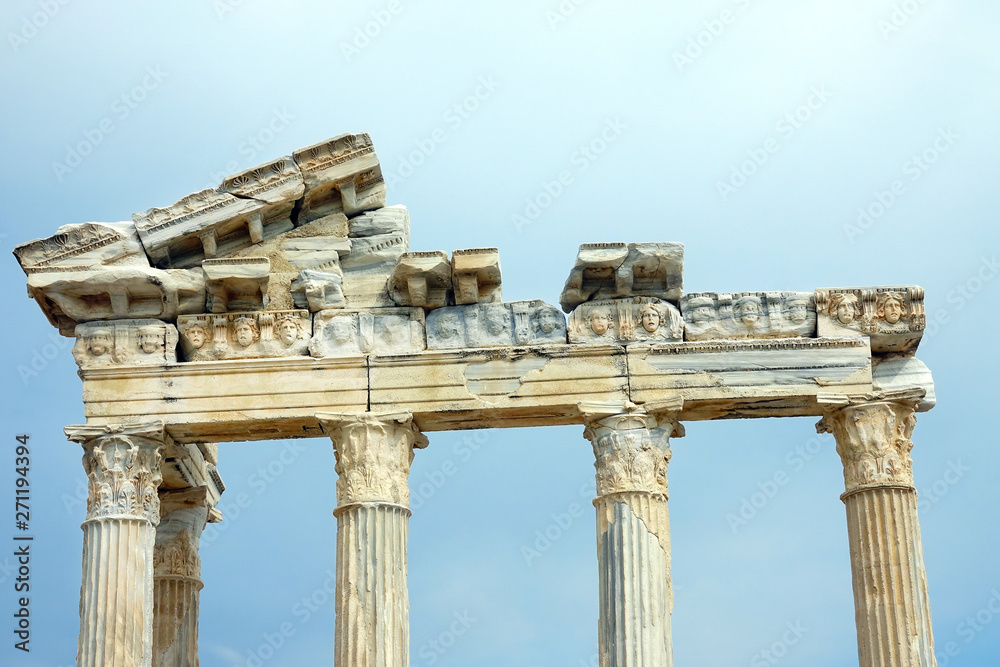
point(873, 440)
point(374, 452)
point(177, 557)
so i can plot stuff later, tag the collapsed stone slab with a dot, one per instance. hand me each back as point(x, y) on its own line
point(78, 247)
point(743, 315)
point(341, 175)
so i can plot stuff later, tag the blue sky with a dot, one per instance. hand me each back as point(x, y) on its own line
point(756, 133)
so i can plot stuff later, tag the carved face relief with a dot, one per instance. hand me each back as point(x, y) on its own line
point(393, 329)
point(341, 330)
point(100, 342)
point(749, 311)
point(650, 319)
point(600, 321)
point(846, 309)
point(197, 335)
point(549, 321)
point(703, 314)
point(892, 311)
point(494, 319)
point(448, 326)
point(149, 343)
point(796, 311)
point(288, 332)
point(244, 334)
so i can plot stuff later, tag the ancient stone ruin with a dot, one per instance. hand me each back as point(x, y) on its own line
point(296, 282)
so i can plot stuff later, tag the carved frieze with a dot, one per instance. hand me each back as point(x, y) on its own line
point(274, 333)
point(145, 342)
point(893, 317)
point(123, 469)
point(873, 440)
point(105, 293)
point(640, 319)
point(742, 315)
point(236, 283)
point(341, 175)
point(476, 276)
point(375, 331)
point(495, 324)
point(276, 182)
point(613, 270)
point(78, 247)
point(374, 452)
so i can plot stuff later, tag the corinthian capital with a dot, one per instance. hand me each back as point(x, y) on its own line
point(374, 452)
point(123, 468)
point(631, 445)
point(873, 440)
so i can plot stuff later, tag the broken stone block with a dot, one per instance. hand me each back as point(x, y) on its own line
point(78, 247)
point(476, 275)
point(617, 270)
point(375, 331)
point(743, 315)
point(144, 342)
point(892, 317)
point(245, 335)
point(495, 324)
point(341, 175)
point(236, 283)
point(103, 293)
point(391, 220)
point(421, 279)
point(277, 182)
point(624, 321)
point(317, 290)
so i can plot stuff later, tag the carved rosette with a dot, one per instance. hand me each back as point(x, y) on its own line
point(873, 440)
point(177, 558)
point(632, 452)
point(123, 469)
point(374, 452)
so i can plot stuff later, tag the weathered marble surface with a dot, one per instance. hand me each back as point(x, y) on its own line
point(70, 297)
point(613, 270)
point(476, 276)
point(83, 246)
point(640, 319)
point(740, 315)
point(495, 324)
point(341, 175)
point(236, 284)
point(245, 335)
point(375, 331)
point(895, 373)
point(125, 342)
point(893, 317)
point(421, 279)
point(315, 290)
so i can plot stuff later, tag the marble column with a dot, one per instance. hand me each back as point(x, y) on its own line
point(374, 452)
point(632, 448)
point(123, 509)
point(891, 605)
point(177, 576)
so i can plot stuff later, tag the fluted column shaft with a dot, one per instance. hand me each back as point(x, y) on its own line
point(177, 577)
point(892, 607)
point(116, 595)
point(633, 537)
point(373, 452)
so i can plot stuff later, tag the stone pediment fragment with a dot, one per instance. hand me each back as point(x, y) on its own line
point(276, 182)
point(145, 342)
point(316, 290)
point(893, 317)
point(495, 324)
point(376, 331)
point(236, 283)
point(340, 175)
point(743, 315)
point(83, 246)
point(614, 270)
point(476, 275)
point(280, 333)
point(421, 279)
point(105, 293)
point(640, 319)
